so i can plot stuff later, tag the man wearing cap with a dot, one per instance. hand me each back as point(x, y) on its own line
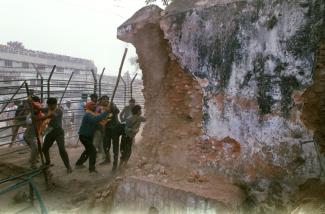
point(86, 134)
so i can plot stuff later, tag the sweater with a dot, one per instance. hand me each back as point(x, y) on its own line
point(89, 123)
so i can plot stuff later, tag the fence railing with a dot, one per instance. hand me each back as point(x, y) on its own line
point(72, 92)
point(22, 180)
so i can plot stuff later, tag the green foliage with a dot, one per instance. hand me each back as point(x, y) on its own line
point(264, 85)
point(306, 39)
point(287, 85)
point(15, 45)
point(222, 55)
point(272, 22)
point(259, 4)
point(280, 66)
point(250, 201)
point(164, 2)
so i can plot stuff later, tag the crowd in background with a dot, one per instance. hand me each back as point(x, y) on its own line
point(102, 127)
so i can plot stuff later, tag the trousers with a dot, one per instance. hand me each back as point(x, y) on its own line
point(126, 147)
point(58, 136)
point(90, 152)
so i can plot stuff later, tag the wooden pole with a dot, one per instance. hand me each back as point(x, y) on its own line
point(119, 74)
point(65, 89)
point(42, 81)
point(100, 82)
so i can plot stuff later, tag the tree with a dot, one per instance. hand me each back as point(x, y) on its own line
point(165, 2)
point(15, 45)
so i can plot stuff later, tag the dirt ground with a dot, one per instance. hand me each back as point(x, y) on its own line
point(66, 191)
point(81, 192)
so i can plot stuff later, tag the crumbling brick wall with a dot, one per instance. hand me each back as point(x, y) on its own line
point(253, 61)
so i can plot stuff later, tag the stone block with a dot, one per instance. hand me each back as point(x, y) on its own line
point(138, 195)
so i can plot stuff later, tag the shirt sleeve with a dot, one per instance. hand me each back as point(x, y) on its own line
point(58, 113)
point(94, 119)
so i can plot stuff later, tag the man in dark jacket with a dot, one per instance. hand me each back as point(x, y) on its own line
point(112, 134)
point(86, 134)
point(127, 111)
point(132, 127)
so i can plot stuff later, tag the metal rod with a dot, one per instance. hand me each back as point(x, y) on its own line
point(81, 81)
point(3, 94)
point(42, 81)
point(13, 187)
point(12, 118)
point(18, 99)
point(132, 84)
point(66, 87)
point(48, 81)
point(95, 80)
point(16, 177)
point(39, 198)
point(124, 83)
point(18, 124)
point(31, 194)
point(14, 86)
point(70, 91)
point(100, 82)
point(119, 74)
point(8, 143)
point(6, 136)
point(32, 185)
point(5, 106)
point(24, 69)
point(15, 80)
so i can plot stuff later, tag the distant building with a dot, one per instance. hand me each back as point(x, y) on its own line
point(17, 64)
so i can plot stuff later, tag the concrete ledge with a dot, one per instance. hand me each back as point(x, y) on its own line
point(137, 195)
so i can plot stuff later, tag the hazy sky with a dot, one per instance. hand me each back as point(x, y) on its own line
point(79, 28)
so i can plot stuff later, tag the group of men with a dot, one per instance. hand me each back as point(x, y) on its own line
point(45, 122)
point(102, 126)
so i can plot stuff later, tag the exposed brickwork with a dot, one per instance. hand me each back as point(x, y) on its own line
point(314, 100)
